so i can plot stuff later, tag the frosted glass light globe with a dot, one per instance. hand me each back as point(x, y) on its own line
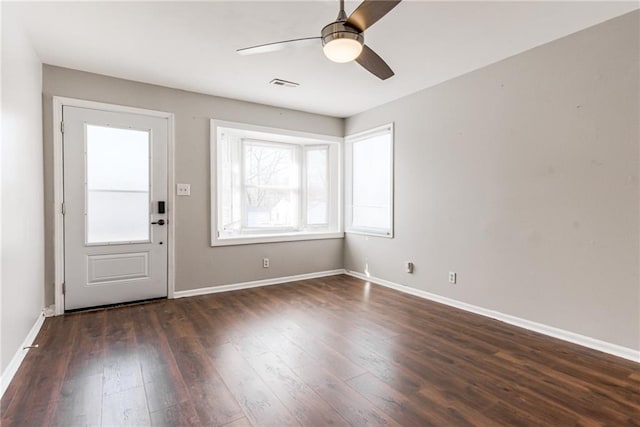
point(342, 50)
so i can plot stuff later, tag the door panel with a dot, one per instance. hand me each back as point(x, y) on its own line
point(115, 173)
point(108, 268)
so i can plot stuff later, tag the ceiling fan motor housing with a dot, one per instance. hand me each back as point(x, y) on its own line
point(340, 30)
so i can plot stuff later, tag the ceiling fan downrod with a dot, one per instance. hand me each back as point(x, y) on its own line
point(342, 15)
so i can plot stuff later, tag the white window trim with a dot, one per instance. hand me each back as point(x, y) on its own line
point(266, 237)
point(349, 140)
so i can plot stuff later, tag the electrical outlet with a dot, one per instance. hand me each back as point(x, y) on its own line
point(408, 267)
point(453, 277)
point(183, 189)
point(265, 263)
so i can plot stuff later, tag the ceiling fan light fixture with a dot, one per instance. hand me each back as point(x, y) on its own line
point(342, 50)
point(343, 39)
point(341, 43)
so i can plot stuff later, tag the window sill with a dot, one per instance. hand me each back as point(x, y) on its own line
point(272, 238)
point(386, 235)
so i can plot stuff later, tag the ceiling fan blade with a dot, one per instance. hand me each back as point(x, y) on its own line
point(371, 62)
point(369, 12)
point(272, 47)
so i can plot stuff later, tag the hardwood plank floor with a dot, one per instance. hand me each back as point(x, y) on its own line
point(331, 351)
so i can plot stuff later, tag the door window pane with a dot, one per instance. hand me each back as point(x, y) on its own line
point(317, 185)
point(117, 185)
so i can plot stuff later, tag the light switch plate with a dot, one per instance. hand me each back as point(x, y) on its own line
point(183, 189)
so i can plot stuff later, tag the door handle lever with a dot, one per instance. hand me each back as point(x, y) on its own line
point(159, 222)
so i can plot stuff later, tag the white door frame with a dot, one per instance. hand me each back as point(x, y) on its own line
point(58, 182)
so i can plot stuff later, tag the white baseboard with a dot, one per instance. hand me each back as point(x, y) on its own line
point(19, 356)
point(49, 311)
point(605, 347)
point(255, 283)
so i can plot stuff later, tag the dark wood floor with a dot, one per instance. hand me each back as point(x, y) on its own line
point(333, 351)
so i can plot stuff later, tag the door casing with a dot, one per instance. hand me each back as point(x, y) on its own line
point(58, 194)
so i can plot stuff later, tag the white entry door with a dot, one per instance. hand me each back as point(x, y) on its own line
point(115, 193)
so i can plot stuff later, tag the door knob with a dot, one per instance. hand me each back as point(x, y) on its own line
point(159, 222)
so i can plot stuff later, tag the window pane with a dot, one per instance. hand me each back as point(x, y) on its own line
point(271, 184)
point(317, 186)
point(229, 169)
point(269, 165)
point(372, 182)
point(117, 185)
point(270, 208)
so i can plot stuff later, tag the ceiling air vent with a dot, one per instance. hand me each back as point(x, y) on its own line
point(283, 83)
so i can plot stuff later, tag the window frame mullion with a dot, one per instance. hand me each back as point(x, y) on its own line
point(302, 188)
point(243, 187)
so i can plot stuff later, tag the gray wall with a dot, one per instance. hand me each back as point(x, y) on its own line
point(22, 264)
point(523, 178)
point(197, 264)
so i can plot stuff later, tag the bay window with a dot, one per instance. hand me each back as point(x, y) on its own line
point(273, 185)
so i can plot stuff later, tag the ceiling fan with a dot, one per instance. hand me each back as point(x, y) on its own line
point(343, 39)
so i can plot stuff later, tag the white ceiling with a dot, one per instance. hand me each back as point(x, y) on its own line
point(191, 45)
